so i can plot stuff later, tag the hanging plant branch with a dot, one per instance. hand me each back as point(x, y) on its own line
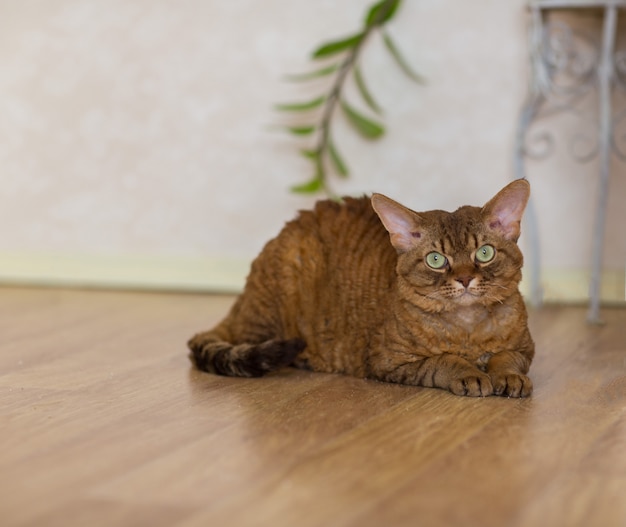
point(324, 155)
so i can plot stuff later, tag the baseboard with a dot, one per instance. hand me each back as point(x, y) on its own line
point(223, 275)
point(572, 286)
point(202, 274)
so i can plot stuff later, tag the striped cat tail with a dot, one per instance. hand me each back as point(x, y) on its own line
point(213, 355)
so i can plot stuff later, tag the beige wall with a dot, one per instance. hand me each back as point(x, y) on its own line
point(135, 144)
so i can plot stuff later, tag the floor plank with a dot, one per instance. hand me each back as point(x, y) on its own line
point(104, 422)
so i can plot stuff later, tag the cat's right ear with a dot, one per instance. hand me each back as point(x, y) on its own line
point(402, 224)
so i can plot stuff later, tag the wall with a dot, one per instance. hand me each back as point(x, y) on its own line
point(136, 144)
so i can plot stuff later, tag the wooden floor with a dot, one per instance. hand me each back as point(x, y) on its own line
point(103, 422)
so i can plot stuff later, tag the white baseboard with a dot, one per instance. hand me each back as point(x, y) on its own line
point(221, 275)
point(572, 286)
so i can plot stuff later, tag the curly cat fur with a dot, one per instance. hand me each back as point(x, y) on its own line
point(345, 288)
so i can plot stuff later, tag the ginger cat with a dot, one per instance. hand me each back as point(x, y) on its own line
point(370, 288)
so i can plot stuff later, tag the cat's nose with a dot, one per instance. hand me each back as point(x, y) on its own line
point(465, 280)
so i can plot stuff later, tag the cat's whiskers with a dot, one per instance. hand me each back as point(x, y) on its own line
point(432, 295)
point(491, 297)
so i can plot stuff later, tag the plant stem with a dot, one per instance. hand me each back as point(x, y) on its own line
point(334, 96)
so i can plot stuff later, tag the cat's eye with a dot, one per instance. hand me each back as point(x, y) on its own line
point(485, 253)
point(436, 260)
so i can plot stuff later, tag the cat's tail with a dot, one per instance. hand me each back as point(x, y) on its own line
point(211, 354)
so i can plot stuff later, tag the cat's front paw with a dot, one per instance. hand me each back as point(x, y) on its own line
point(473, 385)
point(511, 384)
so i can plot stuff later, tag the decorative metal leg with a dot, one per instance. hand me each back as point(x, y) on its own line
point(605, 75)
point(566, 66)
point(532, 105)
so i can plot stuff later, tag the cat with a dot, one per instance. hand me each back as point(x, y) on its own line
point(369, 288)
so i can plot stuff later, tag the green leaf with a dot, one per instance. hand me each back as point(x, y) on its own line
point(301, 130)
point(309, 187)
point(337, 46)
point(338, 162)
point(301, 107)
point(313, 74)
point(365, 93)
point(366, 127)
point(381, 12)
point(310, 154)
point(395, 52)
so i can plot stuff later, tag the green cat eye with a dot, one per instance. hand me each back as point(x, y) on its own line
point(485, 254)
point(436, 260)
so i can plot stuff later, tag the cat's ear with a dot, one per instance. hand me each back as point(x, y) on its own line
point(503, 212)
point(403, 225)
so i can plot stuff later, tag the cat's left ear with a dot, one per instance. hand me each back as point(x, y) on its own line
point(503, 212)
point(403, 225)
